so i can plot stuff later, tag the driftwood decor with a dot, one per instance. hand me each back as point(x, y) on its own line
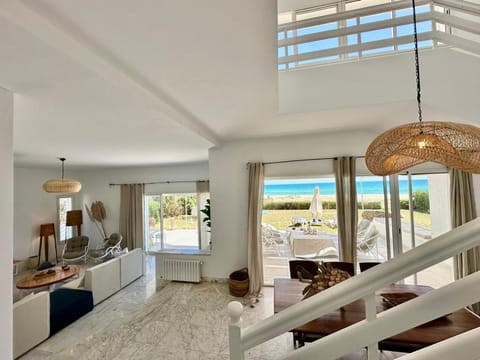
point(97, 214)
point(326, 277)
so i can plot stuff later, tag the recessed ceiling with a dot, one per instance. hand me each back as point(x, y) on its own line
point(121, 82)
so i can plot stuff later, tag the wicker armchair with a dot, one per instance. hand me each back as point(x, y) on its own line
point(76, 249)
point(110, 248)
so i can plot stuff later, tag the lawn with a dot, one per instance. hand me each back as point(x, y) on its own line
point(283, 218)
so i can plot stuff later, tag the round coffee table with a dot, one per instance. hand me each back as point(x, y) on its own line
point(32, 282)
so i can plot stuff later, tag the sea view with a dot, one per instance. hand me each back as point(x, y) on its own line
point(328, 188)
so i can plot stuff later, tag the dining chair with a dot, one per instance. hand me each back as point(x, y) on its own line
point(364, 266)
point(310, 266)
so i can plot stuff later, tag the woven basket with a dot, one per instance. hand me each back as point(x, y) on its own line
point(239, 282)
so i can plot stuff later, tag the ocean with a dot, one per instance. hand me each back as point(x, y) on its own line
point(328, 188)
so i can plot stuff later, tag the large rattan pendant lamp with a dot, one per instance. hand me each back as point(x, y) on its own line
point(450, 144)
point(62, 186)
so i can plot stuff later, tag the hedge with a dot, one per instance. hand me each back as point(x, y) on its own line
point(305, 205)
point(421, 202)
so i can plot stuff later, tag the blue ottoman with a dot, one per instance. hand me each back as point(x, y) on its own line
point(68, 305)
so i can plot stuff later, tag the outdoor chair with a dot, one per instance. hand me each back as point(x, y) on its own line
point(111, 247)
point(367, 235)
point(271, 237)
point(75, 249)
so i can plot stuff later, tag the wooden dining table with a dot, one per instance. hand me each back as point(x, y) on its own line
point(288, 292)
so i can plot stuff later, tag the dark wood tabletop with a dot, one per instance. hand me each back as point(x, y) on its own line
point(289, 291)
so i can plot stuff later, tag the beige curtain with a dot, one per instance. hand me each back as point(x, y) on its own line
point(131, 215)
point(462, 203)
point(255, 203)
point(203, 194)
point(346, 208)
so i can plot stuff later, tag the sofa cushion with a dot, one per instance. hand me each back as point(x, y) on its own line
point(103, 280)
point(68, 305)
point(31, 322)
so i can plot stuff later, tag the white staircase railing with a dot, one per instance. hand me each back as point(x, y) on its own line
point(445, 22)
point(368, 332)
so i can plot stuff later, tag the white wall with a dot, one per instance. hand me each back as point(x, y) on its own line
point(33, 206)
point(229, 185)
point(6, 221)
point(369, 82)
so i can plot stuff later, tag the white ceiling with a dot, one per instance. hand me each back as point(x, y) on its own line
point(122, 82)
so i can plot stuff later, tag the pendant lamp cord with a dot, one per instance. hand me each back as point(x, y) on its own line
point(417, 64)
point(63, 161)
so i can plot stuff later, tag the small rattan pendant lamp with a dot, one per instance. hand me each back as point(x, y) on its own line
point(62, 186)
point(451, 144)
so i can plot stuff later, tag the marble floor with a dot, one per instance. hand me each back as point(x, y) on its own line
point(176, 321)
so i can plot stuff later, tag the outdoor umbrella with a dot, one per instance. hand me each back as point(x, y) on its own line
point(316, 205)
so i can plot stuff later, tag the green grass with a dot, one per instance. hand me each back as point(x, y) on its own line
point(283, 218)
point(178, 223)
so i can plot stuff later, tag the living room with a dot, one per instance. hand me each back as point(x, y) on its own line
point(113, 128)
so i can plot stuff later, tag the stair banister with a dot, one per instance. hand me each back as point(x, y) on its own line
point(393, 321)
point(465, 346)
point(360, 286)
point(436, 250)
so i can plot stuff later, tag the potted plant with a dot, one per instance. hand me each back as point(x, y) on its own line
point(207, 220)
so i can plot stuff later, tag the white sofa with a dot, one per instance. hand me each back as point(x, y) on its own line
point(31, 315)
point(103, 280)
point(132, 266)
point(31, 322)
point(106, 279)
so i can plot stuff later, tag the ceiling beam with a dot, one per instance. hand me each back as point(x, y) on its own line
point(50, 28)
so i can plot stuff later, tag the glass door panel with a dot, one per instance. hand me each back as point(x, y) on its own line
point(374, 224)
point(425, 214)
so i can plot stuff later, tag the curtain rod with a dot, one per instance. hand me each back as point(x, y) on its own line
point(162, 182)
point(312, 159)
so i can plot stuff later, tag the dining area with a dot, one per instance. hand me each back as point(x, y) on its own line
point(304, 273)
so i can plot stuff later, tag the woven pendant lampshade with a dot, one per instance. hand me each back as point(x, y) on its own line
point(62, 186)
point(454, 145)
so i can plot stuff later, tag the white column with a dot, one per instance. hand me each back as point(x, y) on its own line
point(6, 221)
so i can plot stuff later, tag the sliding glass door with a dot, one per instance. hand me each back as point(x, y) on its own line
point(399, 213)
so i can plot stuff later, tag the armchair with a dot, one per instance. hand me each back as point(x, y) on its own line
point(76, 249)
point(111, 247)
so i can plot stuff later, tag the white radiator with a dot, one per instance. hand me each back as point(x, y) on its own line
point(180, 270)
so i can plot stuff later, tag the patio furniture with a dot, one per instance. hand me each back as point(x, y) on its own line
point(110, 248)
point(311, 245)
point(367, 235)
point(76, 249)
point(271, 237)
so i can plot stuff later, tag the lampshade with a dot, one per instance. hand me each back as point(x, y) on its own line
point(62, 186)
point(450, 144)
